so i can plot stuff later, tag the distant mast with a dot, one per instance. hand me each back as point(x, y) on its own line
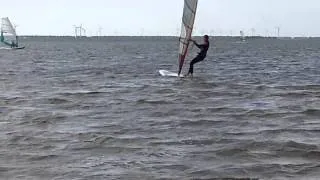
point(278, 32)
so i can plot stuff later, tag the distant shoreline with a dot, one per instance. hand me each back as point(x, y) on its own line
point(154, 37)
point(171, 36)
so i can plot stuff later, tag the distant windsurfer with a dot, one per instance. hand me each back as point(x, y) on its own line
point(202, 54)
point(13, 44)
point(17, 41)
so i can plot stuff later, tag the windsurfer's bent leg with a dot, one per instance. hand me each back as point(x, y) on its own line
point(194, 61)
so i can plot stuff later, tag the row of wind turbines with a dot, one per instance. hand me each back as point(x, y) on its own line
point(80, 31)
point(249, 32)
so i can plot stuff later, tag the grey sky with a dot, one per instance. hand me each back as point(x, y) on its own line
point(163, 17)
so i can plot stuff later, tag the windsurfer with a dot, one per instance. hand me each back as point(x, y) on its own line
point(13, 44)
point(202, 54)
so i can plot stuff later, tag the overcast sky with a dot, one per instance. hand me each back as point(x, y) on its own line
point(163, 17)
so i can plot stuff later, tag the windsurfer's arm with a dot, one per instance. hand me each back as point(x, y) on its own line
point(195, 43)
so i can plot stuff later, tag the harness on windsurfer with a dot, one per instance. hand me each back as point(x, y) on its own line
point(202, 54)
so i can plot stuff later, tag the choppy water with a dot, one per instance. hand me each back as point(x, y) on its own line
point(99, 110)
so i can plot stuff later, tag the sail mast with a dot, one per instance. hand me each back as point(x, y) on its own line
point(188, 18)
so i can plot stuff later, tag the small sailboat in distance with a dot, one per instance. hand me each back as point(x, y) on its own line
point(188, 18)
point(242, 36)
point(9, 36)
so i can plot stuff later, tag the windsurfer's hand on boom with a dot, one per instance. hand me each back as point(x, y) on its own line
point(194, 42)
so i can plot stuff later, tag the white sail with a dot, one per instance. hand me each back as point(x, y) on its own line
point(8, 33)
point(189, 14)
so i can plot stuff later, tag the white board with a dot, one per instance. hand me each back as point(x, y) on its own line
point(13, 48)
point(5, 48)
point(169, 74)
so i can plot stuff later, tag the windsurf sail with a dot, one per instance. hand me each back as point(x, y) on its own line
point(8, 33)
point(189, 14)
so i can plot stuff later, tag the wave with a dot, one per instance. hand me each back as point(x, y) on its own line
point(210, 174)
point(158, 102)
point(165, 91)
point(42, 118)
point(307, 87)
point(57, 101)
point(81, 93)
point(43, 157)
point(196, 123)
point(198, 142)
point(139, 57)
point(295, 94)
point(312, 112)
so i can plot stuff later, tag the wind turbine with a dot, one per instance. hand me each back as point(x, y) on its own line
point(82, 29)
point(278, 31)
point(253, 31)
point(99, 31)
point(75, 31)
point(79, 29)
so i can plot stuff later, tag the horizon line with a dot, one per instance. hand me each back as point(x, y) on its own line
point(258, 36)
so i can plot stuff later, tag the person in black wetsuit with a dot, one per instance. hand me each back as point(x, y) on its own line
point(202, 54)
